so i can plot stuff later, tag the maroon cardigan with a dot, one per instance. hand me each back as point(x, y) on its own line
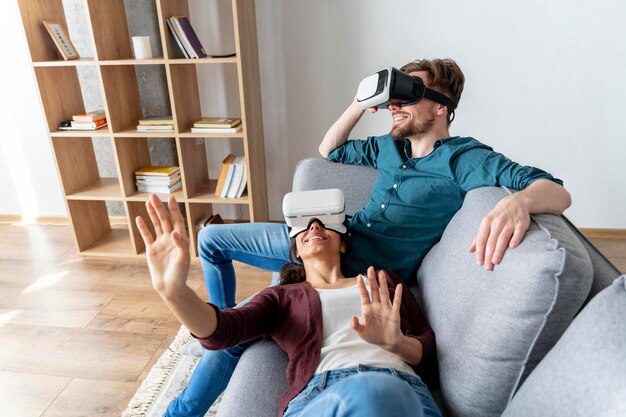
point(292, 316)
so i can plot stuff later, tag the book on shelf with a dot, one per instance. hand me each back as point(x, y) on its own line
point(61, 40)
point(218, 122)
point(158, 170)
point(229, 178)
point(176, 38)
point(89, 125)
point(186, 37)
point(213, 130)
point(156, 124)
point(159, 189)
point(89, 117)
point(233, 177)
point(157, 120)
point(155, 128)
point(235, 181)
point(157, 180)
point(223, 174)
point(208, 220)
point(71, 125)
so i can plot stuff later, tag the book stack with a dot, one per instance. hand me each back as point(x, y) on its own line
point(156, 124)
point(217, 125)
point(158, 179)
point(85, 121)
point(233, 177)
point(186, 37)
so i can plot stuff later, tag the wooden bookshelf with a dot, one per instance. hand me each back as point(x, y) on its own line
point(85, 191)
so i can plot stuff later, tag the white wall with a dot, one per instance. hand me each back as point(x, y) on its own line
point(545, 80)
point(544, 86)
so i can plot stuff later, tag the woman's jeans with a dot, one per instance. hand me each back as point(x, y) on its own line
point(364, 391)
point(263, 245)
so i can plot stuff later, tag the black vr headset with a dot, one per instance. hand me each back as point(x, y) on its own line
point(392, 86)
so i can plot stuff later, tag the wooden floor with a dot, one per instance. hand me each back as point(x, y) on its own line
point(78, 335)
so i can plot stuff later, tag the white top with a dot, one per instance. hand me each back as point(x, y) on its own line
point(341, 345)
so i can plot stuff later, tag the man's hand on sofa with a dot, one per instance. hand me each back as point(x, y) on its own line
point(502, 228)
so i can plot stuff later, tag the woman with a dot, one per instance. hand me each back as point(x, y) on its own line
point(368, 367)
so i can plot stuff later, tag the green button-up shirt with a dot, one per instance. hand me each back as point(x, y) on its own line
point(414, 198)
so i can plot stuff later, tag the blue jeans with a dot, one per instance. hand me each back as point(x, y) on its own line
point(364, 391)
point(263, 245)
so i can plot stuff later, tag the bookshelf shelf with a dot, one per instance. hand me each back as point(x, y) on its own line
point(70, 63)
point(187, 61)
point(101, 189)
point(115, 242)
point(205, 193)
point(114, 73)
point(102, 133)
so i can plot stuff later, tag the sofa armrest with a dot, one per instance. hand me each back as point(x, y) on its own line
point(257, 383)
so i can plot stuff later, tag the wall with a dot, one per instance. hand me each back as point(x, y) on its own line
point(544, 86)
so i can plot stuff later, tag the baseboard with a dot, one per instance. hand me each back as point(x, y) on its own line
point(603, 233)
point(60, 220)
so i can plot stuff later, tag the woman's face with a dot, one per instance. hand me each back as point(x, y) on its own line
point(318, 241)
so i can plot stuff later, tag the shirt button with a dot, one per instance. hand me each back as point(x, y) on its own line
point(382, 206)
point(403, 166)
point(395, 186)
point(369, 225)
point(349, 234)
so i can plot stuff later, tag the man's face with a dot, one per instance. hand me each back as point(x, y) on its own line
point(416, 119)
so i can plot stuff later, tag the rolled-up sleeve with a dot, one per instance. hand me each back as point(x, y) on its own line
point(481, 168)
point(358, 152)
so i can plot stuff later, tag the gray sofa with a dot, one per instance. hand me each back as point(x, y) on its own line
point(544, 334)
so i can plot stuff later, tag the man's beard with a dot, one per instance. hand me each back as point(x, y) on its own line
point(412, 129)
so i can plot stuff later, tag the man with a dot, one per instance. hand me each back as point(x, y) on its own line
point(424, 175)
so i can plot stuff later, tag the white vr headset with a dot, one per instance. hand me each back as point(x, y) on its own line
point(326, 206)
point(392, 86)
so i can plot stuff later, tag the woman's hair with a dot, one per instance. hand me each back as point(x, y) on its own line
point(293, 272)
point(445, 76)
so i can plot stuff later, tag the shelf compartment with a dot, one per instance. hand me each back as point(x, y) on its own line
point(110, 29)
point(41, 45)
point(61, 95)
point(93, 230)
point(134, 153)
point(122, 96)
point(78, 170)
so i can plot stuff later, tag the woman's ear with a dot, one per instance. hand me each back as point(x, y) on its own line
point(342, 248)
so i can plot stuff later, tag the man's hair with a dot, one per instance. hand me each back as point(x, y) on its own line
point(445, 76)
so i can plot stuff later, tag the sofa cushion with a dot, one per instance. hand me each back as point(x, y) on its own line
point(492, 328)
point(585, 373)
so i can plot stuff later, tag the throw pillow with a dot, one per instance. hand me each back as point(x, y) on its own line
point(492, 328)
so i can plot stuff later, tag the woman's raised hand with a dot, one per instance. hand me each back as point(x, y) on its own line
point(167, 252)
point(381, 317)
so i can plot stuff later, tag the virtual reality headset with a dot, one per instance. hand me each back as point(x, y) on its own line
point(392, 86)
point(326, 206)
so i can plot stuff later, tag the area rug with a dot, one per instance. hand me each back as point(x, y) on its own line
point(166, 380)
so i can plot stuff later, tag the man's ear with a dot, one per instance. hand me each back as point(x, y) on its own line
point(442, 110)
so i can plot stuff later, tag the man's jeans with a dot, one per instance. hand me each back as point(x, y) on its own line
point(263, 245)
point(364, 391)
